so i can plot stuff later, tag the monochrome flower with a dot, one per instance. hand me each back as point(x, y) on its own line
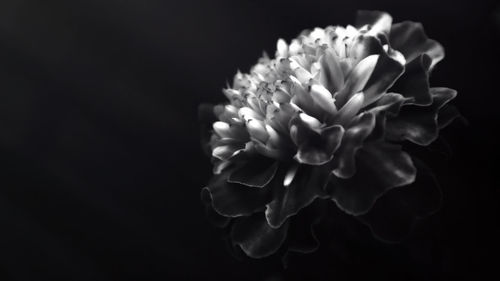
point(324, 119)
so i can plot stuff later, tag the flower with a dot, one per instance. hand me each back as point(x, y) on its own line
point(322, 120)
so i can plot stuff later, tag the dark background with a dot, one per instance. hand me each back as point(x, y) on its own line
point(101, 166)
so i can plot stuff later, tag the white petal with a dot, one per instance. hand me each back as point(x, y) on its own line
point(351, 108)
point(222, 129)
point(257, 130)
point(323, 98)
point(281, 48)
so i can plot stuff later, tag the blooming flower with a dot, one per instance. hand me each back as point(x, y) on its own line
point(324, 119)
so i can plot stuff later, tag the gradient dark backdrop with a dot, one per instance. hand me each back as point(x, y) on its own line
point(101, 166)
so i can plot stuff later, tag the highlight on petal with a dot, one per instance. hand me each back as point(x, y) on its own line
point(323, 98)
point(380, 167)
point(357, 79)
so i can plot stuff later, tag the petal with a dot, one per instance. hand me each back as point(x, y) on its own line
point(419, 124)
point(357, 79)
point(226, 151)
point(331, 75)
point(302, 98)
point(394, 215)
point(385, 74)
point(359, 130)
point(380, 167)
point(410, 39)
point(350, 109)
point(379, 22)
point(288, 201)
point(281, 48)
point(315, 148)
point(234, 200)
point(323, 98)
point(257, 171)
point(364, 46)
point(414, 83)
point(255, 237)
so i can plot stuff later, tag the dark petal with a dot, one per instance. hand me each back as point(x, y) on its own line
point(255, 237)
point(315, 148)
point(385, 74)
point(206, 118)
point(232, 199)
point(301, 233)
point(257, 171)
point(380, 167)
point(307, 185)
point(419, 124)
point(344, 159)
point(394, 215)
point(380, 22)
point(410, 39)
point(414, 83)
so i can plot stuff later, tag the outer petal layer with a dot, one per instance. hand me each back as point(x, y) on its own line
point(381, 167)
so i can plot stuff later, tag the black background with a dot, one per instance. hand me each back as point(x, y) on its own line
point(101, 166)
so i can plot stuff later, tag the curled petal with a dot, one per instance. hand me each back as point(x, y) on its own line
point(419, 124)
point(410, 39)
point(414, 83)
point(315, 148)
point(379, 22)
point(385, 74)
point(232, 199)
point(257, 171)
point(288, 200)
point(255, 237)
point(380, 167)
point(364, 46)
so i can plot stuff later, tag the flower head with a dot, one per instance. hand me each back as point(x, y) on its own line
point(323, 119)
